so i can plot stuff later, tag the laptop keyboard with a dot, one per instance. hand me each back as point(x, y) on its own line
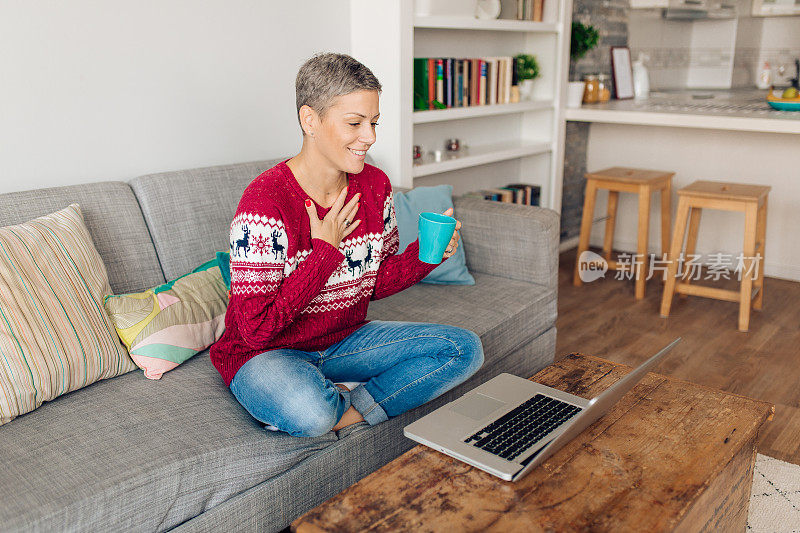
point(521, 428)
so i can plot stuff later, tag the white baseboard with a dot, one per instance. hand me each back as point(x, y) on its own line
point(568, 244)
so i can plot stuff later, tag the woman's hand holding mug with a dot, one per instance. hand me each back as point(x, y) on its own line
point(451, 248)
point(338, 223)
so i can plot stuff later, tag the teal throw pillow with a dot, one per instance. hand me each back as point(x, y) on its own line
point(224, 262)
point(437, 199)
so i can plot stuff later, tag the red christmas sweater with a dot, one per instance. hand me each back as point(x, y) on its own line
point(291, 291)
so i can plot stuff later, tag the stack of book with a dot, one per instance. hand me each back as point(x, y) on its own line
point(530, 10)
point(444, 82)
point(517, 193)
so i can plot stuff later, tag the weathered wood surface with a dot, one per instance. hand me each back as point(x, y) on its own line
point(670, 455)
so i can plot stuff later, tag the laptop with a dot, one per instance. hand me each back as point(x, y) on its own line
point(510, 425)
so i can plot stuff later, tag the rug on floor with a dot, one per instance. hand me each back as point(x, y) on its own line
point(775, 497)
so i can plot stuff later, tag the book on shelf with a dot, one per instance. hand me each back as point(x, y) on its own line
point(449, 82)
point(518, 193)
point(532, 10)
point(440, 81)
point(421, 99)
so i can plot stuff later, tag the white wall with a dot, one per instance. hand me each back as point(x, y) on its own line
point(109, 90)
point(760, 39)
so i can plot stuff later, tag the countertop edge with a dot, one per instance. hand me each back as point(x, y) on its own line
point(683, 120)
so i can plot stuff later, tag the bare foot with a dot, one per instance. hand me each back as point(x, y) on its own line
point(350, 417)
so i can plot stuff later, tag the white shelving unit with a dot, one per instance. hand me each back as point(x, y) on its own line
point(504, 143)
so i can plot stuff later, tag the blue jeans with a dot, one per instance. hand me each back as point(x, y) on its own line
point(403, 365)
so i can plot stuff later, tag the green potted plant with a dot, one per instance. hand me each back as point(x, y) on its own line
point(584, 38)
point(527, 70)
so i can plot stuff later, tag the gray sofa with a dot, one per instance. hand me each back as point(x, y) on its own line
point(133, 454)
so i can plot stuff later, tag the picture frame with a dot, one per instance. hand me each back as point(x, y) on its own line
point(622, 72)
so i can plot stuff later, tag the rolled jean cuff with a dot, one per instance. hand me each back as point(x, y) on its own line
point(347, 400)
point(365, 404)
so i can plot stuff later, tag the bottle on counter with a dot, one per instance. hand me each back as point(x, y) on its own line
point(764, 79)
point(641, 79)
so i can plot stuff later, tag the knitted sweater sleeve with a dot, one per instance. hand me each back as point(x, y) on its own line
point(397, 272)
point(264, 297)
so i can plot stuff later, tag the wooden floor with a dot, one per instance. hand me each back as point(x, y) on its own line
point(602, 318)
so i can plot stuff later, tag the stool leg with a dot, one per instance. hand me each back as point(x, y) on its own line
point(666, 215)
point(758, 302)
point(586, 227)
point(641, 249)
point(608, 240)
point(674, 254)
point(745, 294)
point(691, 242)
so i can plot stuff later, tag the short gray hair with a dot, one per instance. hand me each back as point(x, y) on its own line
point(328, 75)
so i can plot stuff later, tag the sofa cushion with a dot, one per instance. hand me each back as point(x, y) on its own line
point(55, 336)
point(360, 450)
point(408, 207)
point(175, 447)
point(114, 220)
point(505, 313)
point(134, 454)
point(189, 212)
point(164, 326)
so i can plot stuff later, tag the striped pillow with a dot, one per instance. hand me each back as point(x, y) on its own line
point(55, 336)
point(165, 326)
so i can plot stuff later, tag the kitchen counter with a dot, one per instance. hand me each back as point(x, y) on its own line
point(737, 109)
point(733, 137)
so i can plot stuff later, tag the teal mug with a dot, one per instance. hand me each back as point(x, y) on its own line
point(435, 232)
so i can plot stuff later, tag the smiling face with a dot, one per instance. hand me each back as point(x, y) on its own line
point(347, 130)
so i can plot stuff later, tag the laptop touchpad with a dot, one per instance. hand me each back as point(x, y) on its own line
point(477, 406)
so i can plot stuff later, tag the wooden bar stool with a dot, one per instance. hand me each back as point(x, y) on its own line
point(617, 180)
point(750, 199)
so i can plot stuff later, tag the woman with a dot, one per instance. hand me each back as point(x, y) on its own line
point(314, 239)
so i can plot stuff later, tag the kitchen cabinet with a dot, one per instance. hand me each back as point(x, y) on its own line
point(647, 4)
point(694, 5)
point(772, 8)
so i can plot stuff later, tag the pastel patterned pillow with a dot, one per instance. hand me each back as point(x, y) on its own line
point(55, 336)
point(166, 325)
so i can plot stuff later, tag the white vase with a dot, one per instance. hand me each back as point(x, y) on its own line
point(526, 90)
point(575, 93)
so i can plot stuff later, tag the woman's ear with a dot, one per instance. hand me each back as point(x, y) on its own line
point(307, 116)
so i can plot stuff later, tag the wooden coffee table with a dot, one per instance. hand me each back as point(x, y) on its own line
point(670, 455)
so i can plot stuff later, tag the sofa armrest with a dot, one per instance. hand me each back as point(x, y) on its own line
point(510, 240)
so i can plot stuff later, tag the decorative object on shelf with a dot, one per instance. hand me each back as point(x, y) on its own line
point(487, 9)
point(591, 93)
point(641, 80)
point(417, 151)
point(438, 155)
point(623, 74)
point(526, 70)
point(452, 145)
point(583, 39)
point(603, 88)
point(575, 91)
point(598, 89)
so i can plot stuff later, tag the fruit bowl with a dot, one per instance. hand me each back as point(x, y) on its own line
point(783, 104)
